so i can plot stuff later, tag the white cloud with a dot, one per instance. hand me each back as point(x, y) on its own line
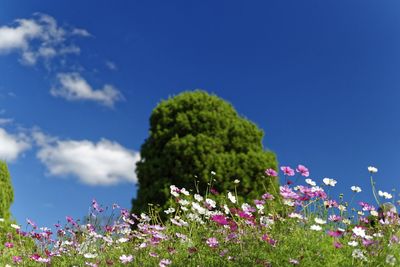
point(111, 65)
point(11, 146)
point(101, 163)
point(72, 86)
point(4, 121)
point(37, 38)
point(81, 32)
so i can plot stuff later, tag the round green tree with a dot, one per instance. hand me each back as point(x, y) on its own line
point(192, 135)
point(6, 191)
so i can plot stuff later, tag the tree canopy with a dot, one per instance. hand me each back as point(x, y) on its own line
point(192, 135)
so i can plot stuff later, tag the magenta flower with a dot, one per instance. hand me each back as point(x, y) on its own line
point(71, 221)
point(220, 219)
point(214, 191)
point(337, 244)
point(17, 259)
point(9, 245)
point(268, 239)
point(303, 170)
point(287, 171)
point(212, 242)
point(335, 233)
point(271, 172)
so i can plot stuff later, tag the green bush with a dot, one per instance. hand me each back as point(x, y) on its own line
point(6, 191)
point(192, 135)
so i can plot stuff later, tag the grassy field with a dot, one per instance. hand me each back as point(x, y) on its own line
point(302, 227)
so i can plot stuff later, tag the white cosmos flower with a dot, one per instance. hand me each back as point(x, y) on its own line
point(122, 240)
point(358, 231)
point(329, 182)
point(183, 202)
point(346, 221)
point(231, 197)
point(211, 202)
point(319, 221)
point(198, 197)
point(15, 226)
point(316, 227)
point(353, 243)
point(174, 190)
point(372, 169)
point(185, 192)
point(358, 254)
point(342, 208)
point(374, 213)
point(226, 209)
point(386, 195)
point(90, 255)
point(296, 216)
point(169, 211)
point(310, 182)
point(356, 189)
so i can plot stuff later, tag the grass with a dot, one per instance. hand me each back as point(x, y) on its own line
point(308, 230)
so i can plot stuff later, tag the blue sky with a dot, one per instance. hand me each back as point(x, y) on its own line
point(79, 80)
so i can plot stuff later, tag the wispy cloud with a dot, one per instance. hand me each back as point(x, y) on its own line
point(72, 86)
point(111, 65)
point(102, 163)
point(38, 38)
point(12, 145)
point(4, 121)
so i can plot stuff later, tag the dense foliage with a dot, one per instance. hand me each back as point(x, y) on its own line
point(6, 191)
point(194, 135)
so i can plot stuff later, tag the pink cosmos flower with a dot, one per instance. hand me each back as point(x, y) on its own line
point(287, 171)
point(287, 193)
point(17, 259)
point(267, 196)
point(212, 242)
point(96, 206)
point(271, 172)
point(365, 206)
point(164, 262)
point(9, 245)
point(334, 218)
point(31, 223)
point(303, 170)
point(367, 242)
point(126, 259)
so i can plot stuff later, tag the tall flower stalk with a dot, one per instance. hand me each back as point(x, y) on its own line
point(373, 170)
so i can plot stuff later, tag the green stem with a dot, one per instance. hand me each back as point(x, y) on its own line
point(374, 191)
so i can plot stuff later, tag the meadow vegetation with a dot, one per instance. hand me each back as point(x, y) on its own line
point(309, 228)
